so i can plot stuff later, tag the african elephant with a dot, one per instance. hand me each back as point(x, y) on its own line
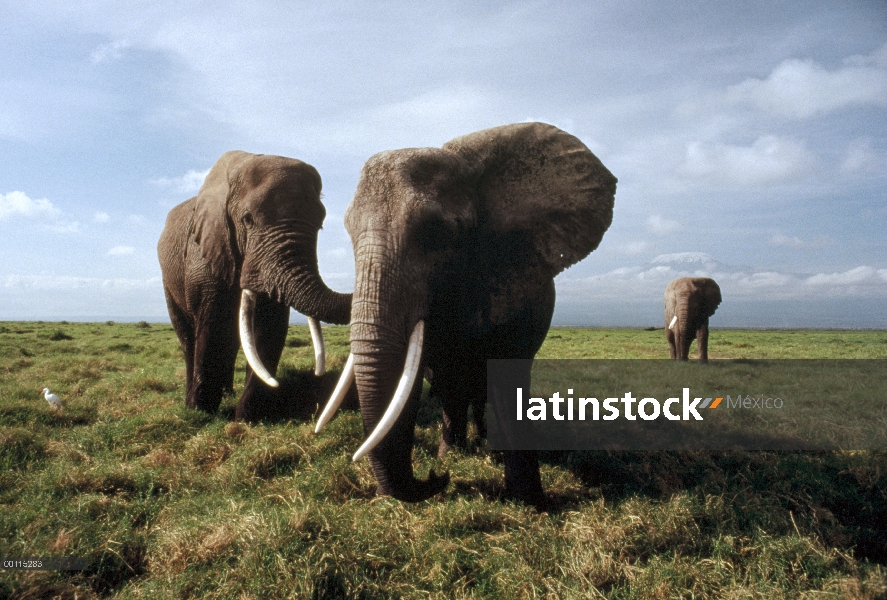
point(456, 250)
point(247, 241)
point(689, 302)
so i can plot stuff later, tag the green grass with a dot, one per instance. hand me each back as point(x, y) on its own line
point(167, 502)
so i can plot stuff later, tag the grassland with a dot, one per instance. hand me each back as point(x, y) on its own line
point(167, 502)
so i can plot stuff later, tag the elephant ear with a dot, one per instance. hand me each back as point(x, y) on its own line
point(536, 178)
point(211, 232)
point(712, 297)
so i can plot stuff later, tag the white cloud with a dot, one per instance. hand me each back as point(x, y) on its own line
point(659, 226)
point(861, 157)
point(108, 52)
point(634, 248)
point(71, 227)
point(64, 283)
point(337, 252)
point(121, 250)
point(19, 204)
point(857, 275)
point(101, 217)
point(769, 160)
point(802, 88)
point(647, 282)
point(188, 183)
point(784, 240)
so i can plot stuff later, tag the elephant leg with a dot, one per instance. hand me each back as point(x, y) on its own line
point(454, 413)
point(213, 367)
point(672, 344)
point(702, 342)
point(259, 401)
point(468, 388)
point(522, 478)
point(185, 332)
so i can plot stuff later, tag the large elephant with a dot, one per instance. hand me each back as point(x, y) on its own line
point(689, 302)
point(456, 250)
point(248, 240)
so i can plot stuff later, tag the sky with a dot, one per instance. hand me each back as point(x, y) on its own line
point(749, 138)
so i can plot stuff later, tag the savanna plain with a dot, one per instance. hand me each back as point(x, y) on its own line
point(168, 502)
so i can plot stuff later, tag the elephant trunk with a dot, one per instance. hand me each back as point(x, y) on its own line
point(683, 332)
point(386, 336)
point(377, 376)
point(283, 265)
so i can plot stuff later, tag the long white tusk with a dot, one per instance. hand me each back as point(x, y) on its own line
point(401, 395)
point(338, 394)
point(319, 348)
point(247, 310)
point(674, 320)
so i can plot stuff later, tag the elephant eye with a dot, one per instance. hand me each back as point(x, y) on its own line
point(248, 219)
point(433, 235)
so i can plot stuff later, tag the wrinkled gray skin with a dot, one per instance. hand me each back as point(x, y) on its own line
point(252, 225)
point(693, 300)
point(469, 238)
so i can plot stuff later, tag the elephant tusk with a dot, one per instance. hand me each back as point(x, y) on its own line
point(674, 320)
point(338, 394)
point(401, 395)
point(247, 311)
point(319, 348)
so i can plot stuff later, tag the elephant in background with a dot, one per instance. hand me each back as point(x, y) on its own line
point(234, 259)
point(456, 250)
point(689, 302)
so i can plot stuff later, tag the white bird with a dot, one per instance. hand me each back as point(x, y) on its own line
point(54, 401)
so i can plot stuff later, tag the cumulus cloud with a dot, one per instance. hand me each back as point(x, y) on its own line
point(109, 52)
point(786, 241)
point(101, 217)
point(771, 159)
point(647, 282)
point(18, 204)
point(634, 248)
point(857, 275)
point(802, 88)
point(659, 226)
point(189, 183)
point(25, 283)
point(861, 157)
point(121, 250)
point(49, 296)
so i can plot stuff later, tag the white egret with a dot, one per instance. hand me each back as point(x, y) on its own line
point(54, 401)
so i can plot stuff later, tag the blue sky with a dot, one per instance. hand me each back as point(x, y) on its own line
point(749, 138)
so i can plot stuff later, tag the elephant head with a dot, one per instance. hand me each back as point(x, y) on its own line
point(689, 302)
point(456, 249)
point(248, 240)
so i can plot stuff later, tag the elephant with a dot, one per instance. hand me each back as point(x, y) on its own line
point(689, 302)
point(234, 259)
point(456, 250)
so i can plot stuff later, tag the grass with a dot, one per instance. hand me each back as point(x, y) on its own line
point(168, 502)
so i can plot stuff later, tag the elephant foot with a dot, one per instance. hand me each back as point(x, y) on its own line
point(202, 402)
point(417, 490)
point(535, 498)
point(522, 480)
point(445, 447)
